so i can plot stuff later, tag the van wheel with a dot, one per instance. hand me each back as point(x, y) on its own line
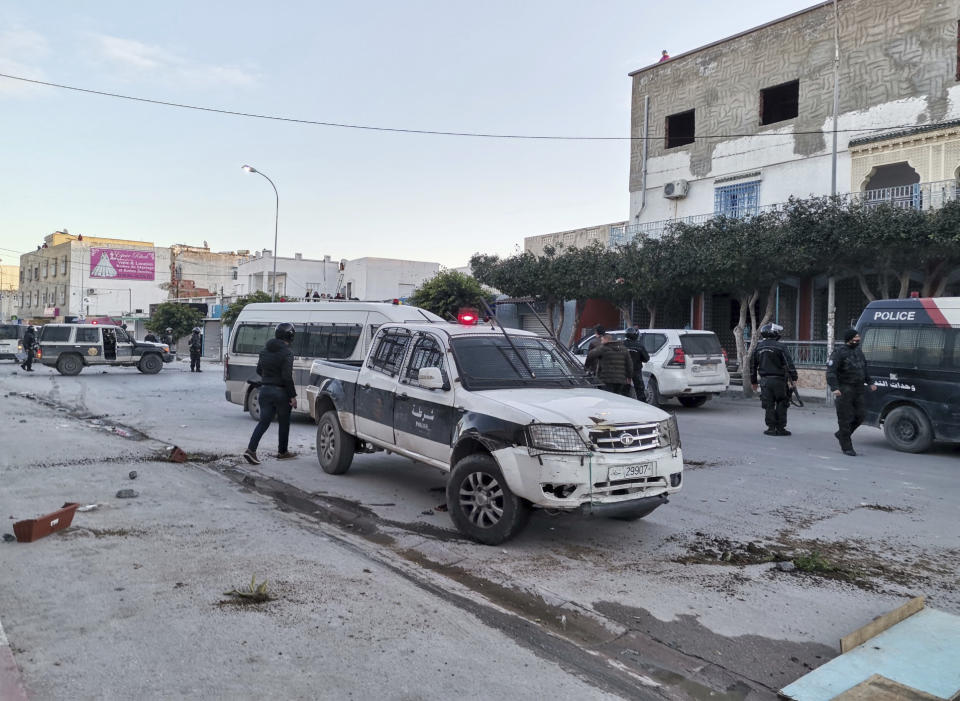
point(253, 403)
point(480, 502)
point(693, 402)
point(908, 429)
point(150, 364)
point(69, 364)
point(335, 447)
point(653, 392)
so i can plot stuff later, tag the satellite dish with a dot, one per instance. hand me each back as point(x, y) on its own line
point(206, 245)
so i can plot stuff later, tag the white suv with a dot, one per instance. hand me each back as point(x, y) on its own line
point(688, 365)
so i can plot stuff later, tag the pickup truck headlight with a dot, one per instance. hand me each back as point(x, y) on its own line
point(555, 438)
point(669, 433)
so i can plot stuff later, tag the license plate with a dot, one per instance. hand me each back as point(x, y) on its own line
point(626, 472)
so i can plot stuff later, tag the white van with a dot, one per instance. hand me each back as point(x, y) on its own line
point(11, 341)
point(330, 330)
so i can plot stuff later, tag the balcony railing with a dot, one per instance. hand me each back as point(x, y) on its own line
point(923, 196)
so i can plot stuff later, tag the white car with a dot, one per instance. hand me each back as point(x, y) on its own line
point(688, 365)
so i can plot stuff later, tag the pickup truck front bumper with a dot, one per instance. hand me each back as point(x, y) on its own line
point(598, 482)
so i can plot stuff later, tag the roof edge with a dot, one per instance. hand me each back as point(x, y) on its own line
point(734, 36)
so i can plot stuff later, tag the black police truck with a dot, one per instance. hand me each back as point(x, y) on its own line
point(912, 348)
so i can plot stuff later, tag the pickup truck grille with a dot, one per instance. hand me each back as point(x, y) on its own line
point(625, 438)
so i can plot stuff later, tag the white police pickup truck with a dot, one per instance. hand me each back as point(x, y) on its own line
point(510, 415)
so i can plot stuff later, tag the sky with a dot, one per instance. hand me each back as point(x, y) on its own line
point(109, 167)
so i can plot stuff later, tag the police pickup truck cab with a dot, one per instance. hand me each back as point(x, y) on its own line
point(71, 347)
point(510, 415)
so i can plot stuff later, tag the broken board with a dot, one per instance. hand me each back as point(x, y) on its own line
point(920, 652)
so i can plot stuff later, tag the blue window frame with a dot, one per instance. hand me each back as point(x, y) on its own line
point(740, 200)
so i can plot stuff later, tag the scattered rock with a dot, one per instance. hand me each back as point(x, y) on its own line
point(132, 475)
point(9, 537)
point(87, 507)
point(427, 512)
point(23, 421)
point(127, 494)
point(440, 507)
point(786, 566)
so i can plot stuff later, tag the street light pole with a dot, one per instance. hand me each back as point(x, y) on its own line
point(276, 223)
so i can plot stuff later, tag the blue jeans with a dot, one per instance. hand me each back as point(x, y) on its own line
point(273, 402)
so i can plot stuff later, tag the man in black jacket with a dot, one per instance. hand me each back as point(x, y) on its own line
point(278, 394)
point(847, 376)
point(771, 368)
point(614, 366)
point(29, 343)
point(196, 348)
point(639, 356)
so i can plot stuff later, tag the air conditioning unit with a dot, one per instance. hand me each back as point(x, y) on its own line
point(676, 189)
point(91, 290)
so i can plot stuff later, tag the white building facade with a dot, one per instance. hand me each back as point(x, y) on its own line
point(373, 279)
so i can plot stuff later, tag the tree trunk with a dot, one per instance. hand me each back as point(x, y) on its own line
point(746, 302)
point(904, 284)
point(933, 280)
point(884, 284)
point(625, 309)
point(652, 309)
point(864, 287)
point(561, 308)
point(754, 335)
point(574, 327)
point(551, 309)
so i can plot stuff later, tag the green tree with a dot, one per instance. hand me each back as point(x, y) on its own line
point(447, 291)
point(179, 317)
point(230, 314)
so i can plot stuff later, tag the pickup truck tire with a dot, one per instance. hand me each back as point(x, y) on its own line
point(693, 402)
point(253, 404)
point(69, 364)
point(908, 429)
point(335, 447)
point(480, 502)
point(150, 364)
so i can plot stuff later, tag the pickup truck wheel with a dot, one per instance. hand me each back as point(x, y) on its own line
point(335, 447)
point(150, 364)
point(480, 502)
point(69, 364)
point(253, 404)
point(693, 402)
point(908, 429)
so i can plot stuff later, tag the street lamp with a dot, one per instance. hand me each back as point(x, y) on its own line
point(276, 221)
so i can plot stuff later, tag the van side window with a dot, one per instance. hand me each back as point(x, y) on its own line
point(330, 341)
point(55, 334)
point(930, 345)
point(653, 342)
point(251, 338)
point(426, 354)
point(878, 344)
point(88, 335)
point(389, 353)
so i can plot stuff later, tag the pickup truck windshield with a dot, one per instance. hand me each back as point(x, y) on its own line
point(490, 362)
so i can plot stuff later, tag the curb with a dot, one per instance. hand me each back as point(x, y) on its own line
point(11, 685)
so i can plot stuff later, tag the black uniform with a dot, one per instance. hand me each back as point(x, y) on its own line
point(29, 344)
point(196, 348)
point(847, 372)
point(168, 339)
point(639, 356)
point(275, 368)
point(771, 367)
point(150, 338)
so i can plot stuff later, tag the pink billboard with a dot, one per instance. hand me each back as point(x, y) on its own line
point(121, 264)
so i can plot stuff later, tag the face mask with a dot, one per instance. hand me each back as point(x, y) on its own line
point(853, 344)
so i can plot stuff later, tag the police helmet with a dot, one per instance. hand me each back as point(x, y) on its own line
point(196, 329)
point(169, 329)
point(285, 332)
point(632, 333)
point(771, 330)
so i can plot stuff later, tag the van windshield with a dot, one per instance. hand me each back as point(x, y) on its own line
point(8, 332)
point(496, 362)
point(700, 344)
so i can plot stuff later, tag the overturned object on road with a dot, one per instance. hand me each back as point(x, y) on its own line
point(33, 529)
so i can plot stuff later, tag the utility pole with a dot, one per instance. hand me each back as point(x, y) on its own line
point(832, 281)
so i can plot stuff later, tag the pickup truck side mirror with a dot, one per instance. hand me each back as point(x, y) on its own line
point(431, 378)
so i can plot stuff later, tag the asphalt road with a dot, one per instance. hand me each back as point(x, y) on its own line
point(687, 602)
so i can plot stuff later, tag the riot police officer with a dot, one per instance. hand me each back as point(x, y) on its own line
point(196, 348)
point(278, 394)
point(639, 356)
point(29, 343)
point(847, 377)
point(772, 369)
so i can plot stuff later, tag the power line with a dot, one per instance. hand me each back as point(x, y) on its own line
point(430, 132)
